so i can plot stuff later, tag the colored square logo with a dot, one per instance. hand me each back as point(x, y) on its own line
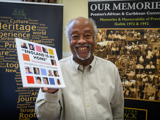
point(38, 48)
point(26, 57)
point(50, 51)
point(30, 79)
point(43, 71)
point(51, 81)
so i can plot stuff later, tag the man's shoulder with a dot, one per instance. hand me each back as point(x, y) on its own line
point(103, 61)
point(65, 60)
point(105, 66)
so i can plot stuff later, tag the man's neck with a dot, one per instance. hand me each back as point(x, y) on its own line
point(84, 63)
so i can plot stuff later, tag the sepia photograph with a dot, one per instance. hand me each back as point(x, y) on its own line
point(136, 54)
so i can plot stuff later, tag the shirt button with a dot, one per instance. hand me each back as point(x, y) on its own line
point(86, 89)
point(87, 105)
point(55, 97)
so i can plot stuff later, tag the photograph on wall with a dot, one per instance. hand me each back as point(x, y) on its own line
point(136, 54)
point(39, 65)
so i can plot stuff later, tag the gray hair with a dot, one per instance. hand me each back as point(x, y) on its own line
point(70, 22)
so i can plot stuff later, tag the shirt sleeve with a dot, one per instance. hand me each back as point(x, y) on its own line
point(117, 102)
point(47, 106)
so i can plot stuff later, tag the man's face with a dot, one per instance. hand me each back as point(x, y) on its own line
point(81, 39)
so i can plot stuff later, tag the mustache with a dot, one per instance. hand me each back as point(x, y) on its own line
point(84, 45)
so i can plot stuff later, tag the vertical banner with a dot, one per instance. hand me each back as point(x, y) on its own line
point(129, 36)
point(35, 22)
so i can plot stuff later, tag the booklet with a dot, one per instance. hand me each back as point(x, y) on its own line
point(39, 65)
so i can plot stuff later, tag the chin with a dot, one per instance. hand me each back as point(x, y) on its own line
point(86, 58)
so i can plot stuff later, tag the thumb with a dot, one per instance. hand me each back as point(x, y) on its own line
point(49, 90)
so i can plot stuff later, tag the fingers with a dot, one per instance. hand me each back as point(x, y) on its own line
point(49, 90)
point(44, 89)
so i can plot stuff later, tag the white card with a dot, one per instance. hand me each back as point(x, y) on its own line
point(39, 65)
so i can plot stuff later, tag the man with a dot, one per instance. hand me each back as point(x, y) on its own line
point(93, 88)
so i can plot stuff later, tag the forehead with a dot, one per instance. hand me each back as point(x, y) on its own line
point(80, 25)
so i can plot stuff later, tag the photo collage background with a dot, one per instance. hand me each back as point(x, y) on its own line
point(136, 54)
point(40, 75)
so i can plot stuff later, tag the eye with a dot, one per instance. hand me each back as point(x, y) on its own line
point(74, 37)
point(87, 36)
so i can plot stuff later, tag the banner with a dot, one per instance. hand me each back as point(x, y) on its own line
point(35, 22)
point(129, 36)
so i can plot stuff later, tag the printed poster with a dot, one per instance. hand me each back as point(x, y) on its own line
point(129, 36)
point(35, 22)
point(39, 65)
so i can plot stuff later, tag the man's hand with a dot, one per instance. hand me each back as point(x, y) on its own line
point(49, 90)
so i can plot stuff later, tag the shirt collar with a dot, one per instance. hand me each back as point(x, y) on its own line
point(79, 67)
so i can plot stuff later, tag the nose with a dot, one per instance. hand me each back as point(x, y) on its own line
point(82, 41)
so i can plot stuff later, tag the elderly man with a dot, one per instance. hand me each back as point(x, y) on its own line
point(93, 87)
